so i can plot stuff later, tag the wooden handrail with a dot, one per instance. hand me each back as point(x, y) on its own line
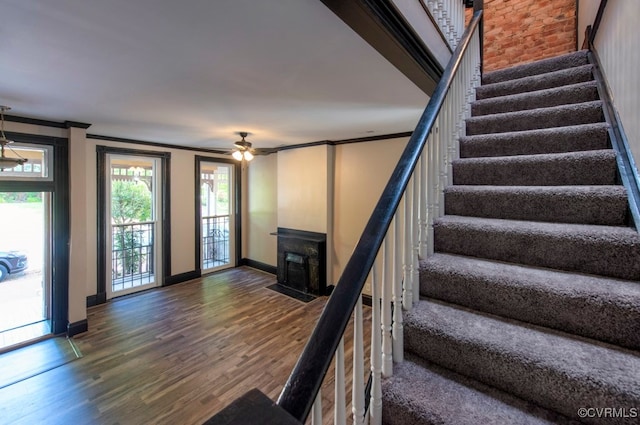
point(596, 23)
point(300, 391)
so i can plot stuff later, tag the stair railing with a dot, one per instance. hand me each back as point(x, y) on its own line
point(448, 15)
point(398, 233)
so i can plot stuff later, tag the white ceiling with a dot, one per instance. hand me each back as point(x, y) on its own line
point(194, 72)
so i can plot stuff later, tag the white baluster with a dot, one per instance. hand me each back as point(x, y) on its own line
point(431, 198)
point(433, 8)
point(440, 18)
point(407, 280)
point(423, 201)
point(339, 411)
point(357, 392)
point(316, 410)
point(387, 283)
point(435, 165)
point(375, 402)
point(442, 160)
point(415, 241)
point(398, 348)
point(453, 115)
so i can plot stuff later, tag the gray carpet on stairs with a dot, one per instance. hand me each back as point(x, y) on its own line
point(536, 82)
point(570, 60)
point(605, 205)
point(586, 305)
point(575, 93)
point(547, 368)
point(556, 116)
point(547, 140)
point(604, 250)
point(570, 168)
point(530, 305)
point(435, 395)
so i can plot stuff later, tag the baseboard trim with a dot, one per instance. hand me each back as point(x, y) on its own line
point(627, 169)
point(182, 277)
point(259, 265)
point(76, 328)
point(99, 298)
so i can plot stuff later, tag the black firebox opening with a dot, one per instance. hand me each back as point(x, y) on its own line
point(302, 260)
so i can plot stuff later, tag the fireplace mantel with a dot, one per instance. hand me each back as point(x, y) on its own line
point(302, 260)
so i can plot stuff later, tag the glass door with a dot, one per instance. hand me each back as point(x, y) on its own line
point(134, 231)
point(217, 216)
point(25, 280)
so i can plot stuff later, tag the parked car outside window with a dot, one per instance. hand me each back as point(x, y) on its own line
point(12, 262)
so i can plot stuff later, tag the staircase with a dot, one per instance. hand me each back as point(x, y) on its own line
point(530, 306)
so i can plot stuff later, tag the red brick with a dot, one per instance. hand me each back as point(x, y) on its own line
point(521, 31)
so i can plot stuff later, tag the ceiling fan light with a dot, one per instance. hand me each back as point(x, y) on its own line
point(237, 155)
point(248, 155)
point(7, 163)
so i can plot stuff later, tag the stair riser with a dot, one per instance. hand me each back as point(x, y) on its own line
point(572, 252)
point(605, 318)
point(544, 386)
point(544, 99)
point(583, 207)
point(555, 140)
point(514, 171)
point(421, 393)
point(539, 82)
point(560, 116)
point(535, 68)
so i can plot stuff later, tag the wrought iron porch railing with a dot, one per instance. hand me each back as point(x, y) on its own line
point(215, 241)
point(132, 255)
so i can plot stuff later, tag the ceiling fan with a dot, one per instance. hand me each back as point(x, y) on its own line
point(7, 163)
point(243, 150)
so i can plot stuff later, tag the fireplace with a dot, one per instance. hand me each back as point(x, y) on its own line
point(302, 260)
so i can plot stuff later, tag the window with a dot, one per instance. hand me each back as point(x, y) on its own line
point(38, 165)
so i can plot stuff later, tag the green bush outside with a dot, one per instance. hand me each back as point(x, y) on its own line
point(130, 203)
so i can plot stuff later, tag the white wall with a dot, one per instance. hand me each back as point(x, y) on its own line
point(261, 212)
point(361, 173)
point(303, 188)
point(618, 46)
point(587, 10)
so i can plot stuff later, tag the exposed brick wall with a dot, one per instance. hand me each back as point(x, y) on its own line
point(521, 31)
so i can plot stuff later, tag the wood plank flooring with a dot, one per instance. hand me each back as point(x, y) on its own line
point(176, 355)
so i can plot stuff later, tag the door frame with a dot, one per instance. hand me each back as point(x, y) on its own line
point(236, 195)
point(60, 221)
point(103, 222)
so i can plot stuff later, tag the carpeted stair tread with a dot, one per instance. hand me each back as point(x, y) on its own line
point(544, 66)
point(602, 250)
point(586, 305)
point(561, 169)
point(548, 368)
point(531, 302)
point(422, 393)
point(549, 80)
point(605, 205)
point(547, 140)
point(555, 116)
point(575, 93)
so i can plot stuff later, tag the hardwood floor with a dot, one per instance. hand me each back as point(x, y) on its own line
point(175, 355)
